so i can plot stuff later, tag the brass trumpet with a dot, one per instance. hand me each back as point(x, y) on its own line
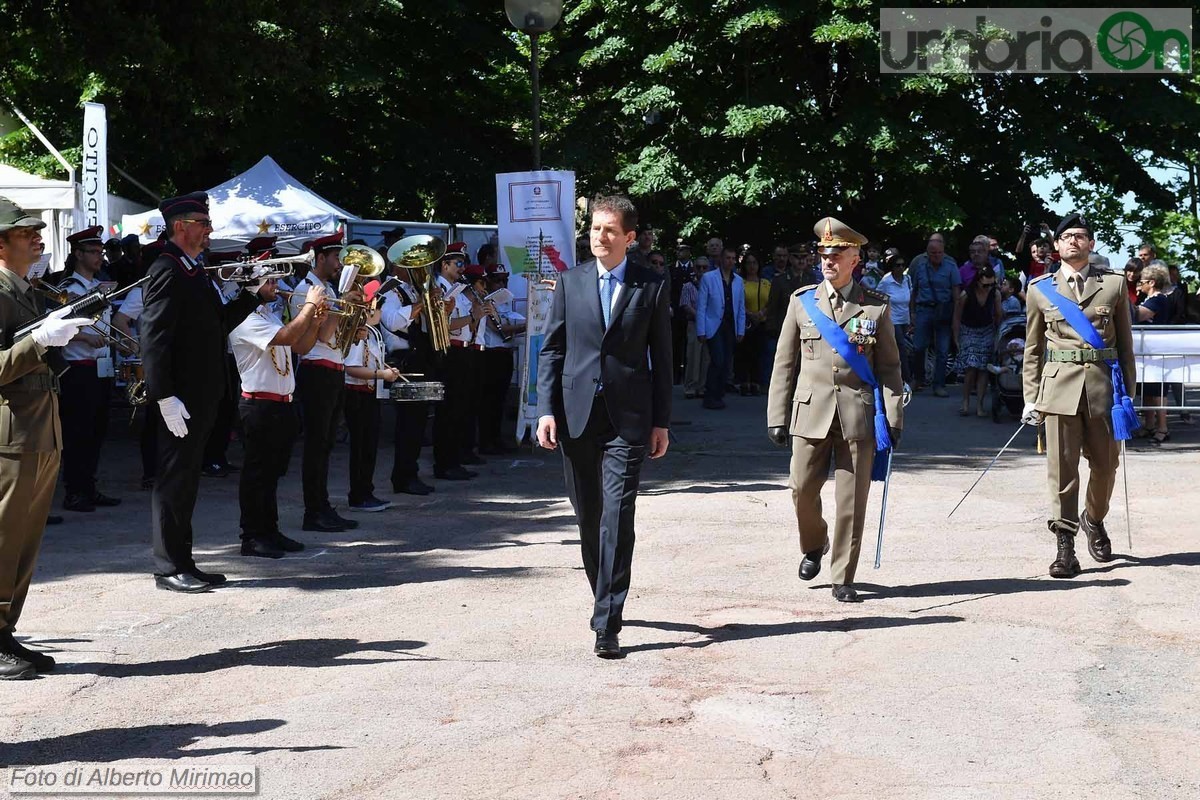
point(418, 255)
point(249, 271)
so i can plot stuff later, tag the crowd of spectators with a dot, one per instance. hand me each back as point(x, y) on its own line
point(728, 309)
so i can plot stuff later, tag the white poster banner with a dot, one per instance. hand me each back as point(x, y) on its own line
point(94, 179)
point(536, 235)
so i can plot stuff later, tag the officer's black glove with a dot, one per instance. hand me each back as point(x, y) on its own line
point(778, 435)
point(895, 434)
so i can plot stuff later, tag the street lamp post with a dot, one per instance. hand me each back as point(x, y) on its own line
point(534, 17)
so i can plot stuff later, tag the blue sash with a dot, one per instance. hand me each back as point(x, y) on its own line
point(1124, 416)
point(832, 333)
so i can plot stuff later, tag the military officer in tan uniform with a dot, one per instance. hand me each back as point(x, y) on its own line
point(1070, 387)
point(826, 410)
point(30, 434)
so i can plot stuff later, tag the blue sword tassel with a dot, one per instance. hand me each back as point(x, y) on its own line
point(883, 438)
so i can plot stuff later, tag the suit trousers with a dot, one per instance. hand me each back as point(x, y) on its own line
point(362, 421)
point(148, 441)
point(682, 332)
point(497, 377)
point(321, 389)
point(26, 489)
point(83, 409)
point(695, 371)
point(720, 354)
point(602, 474)
point(176, 484)
point(851, 461)
point(1066, 437)
point(453, 414)
point(472, 392)
point(268, 433)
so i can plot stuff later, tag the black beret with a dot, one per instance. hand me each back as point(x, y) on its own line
point(1072, 220)
point(194, 203)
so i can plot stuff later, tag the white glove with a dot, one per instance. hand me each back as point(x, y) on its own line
point(1031, 416)
point(56, 331)
point(174, 413)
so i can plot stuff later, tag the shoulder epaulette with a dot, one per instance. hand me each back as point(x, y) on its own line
point(874, 295)
point(1042, 277)
point(808, 288)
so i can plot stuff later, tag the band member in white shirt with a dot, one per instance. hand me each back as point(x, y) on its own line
point(320, 379)
point(453, 414)
point(263, 347)
point(86, 385)
point(498, 331)
point(366, 377)
point(401, 314)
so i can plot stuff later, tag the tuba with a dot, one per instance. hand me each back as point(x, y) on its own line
point(364, 265)
point(419, 255)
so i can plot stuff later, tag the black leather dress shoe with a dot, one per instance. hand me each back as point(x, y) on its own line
point(810, 566)
point(261, 548)
point(332, 516)
point(78, 502)
point(213, 471)
point(42, 662)
point(284, 543)
point(99, 499)
point(845, 594)
point(414, 486)
point(607, 645)
point(454, 474)
point(211, 578)
point(322, 524)
point(182, 582)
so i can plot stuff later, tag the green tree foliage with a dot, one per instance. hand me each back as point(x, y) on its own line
point(748, 119)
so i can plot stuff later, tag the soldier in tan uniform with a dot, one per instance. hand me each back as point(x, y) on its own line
point(1069, 385)
point(826, 410)
point(30, 436)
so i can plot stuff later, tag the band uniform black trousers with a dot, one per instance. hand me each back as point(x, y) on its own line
point(473, 378)
point(218, 441)
point(411, 421)
point(362, 421)
point(148, 442)
point(321, 391)
point(175, 489)
point(497, 376)
point(269, 430)
point(603, 471)
point(452, 415)
point(83, 409)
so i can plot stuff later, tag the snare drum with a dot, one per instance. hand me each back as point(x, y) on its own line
point(418, 392)
point(131, 371)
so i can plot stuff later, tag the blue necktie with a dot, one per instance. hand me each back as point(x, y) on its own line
point(606, 296)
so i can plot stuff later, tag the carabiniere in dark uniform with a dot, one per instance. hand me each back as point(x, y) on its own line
point(183, 330)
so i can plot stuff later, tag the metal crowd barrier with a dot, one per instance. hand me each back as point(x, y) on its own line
point(1168, 367)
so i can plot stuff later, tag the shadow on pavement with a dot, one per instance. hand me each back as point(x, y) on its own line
point(980, 586)
point(295, 653)
point(1165, 560)
point(145, 741)
point(736, 632)
point(724, 487)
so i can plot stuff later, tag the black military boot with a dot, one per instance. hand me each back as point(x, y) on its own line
point(1066, 565)
point(1099, 545)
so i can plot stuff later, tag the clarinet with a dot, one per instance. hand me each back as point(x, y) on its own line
point(493, 316)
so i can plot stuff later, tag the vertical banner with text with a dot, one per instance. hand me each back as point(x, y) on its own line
point(93, 183)
point(536, 216)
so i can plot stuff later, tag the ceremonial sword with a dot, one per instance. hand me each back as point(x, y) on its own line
point(985, 471)
point(905, 398)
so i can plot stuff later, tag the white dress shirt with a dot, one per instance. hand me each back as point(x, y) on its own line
point(79, 350)
point(264, 367)
point(322, 350)
point(364, 354)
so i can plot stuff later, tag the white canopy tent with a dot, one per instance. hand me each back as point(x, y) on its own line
point(262, 201)
point(56, 202)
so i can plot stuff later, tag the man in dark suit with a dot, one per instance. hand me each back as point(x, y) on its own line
point(183, 328)
point(604, 391)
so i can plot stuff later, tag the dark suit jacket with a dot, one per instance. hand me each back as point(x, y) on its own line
point(183, 329)
point(28, 406)
point(632, 358)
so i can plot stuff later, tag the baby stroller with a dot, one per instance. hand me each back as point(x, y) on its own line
point(1007, 390)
